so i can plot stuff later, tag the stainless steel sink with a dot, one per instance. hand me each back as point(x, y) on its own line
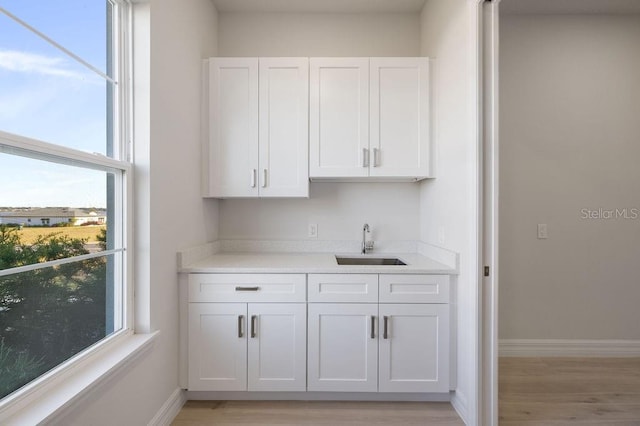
point(369, 261)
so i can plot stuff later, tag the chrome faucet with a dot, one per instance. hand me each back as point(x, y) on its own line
point(366, 245)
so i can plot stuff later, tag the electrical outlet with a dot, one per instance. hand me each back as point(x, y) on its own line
point(542, 231)
point(313, 230)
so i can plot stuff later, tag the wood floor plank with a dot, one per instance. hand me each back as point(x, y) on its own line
point(569, 391)
point(320, 413)
point(532, 392)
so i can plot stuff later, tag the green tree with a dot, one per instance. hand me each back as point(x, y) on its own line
point(52, 313)
point(102, 238)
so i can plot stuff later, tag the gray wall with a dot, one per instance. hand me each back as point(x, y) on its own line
point(570, 140)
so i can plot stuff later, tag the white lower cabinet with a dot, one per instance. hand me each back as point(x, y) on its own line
point(354, 333)
point(359, 346)
point(217, 346)
point(240, 346)
point(343, 347)
point(277, 347)
point(414, 348)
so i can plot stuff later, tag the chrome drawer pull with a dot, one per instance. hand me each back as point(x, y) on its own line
point(256, 288)
point(373, 326)
point(253, 325)
point(365, 157)
point(385, 334)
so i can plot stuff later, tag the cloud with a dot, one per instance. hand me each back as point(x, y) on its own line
point(17, 61)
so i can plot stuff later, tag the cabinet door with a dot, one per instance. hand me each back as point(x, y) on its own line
point(284, 127)
point(277, 347)
point(232, 152)
point(399, 117)
point(343, 347)
point(339, 117)
point(217, 347)
point(414, 353)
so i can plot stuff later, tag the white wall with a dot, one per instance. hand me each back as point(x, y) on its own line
point(319, 34)
point(570, 140)
point(448, 203)
point(182, 33)
point(339, 209)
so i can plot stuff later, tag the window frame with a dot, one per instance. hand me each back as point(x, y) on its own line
point(122, 168)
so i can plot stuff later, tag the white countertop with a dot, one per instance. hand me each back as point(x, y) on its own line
point(311, 263)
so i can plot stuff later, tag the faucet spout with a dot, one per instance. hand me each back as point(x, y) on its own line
point(366, 245)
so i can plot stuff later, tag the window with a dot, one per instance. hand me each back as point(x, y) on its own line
point(64, 179)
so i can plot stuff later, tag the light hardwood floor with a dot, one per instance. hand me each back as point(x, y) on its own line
point(569, 391)
point(533, 391)
point(299, 413)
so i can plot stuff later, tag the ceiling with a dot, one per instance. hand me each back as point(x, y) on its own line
point(320, 6)
point(570, 6)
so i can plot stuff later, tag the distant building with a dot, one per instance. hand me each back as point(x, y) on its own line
point(50, 216)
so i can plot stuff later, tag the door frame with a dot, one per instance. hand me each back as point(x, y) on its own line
point(488, 245)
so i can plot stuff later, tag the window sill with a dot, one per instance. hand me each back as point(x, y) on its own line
point(53, 397)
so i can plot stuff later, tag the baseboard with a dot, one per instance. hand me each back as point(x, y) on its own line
point(459, 403)
point(169, 409)
point(316, 396)
point(568, 348)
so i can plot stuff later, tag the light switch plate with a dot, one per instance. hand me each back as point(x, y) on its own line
point(313, 230)
point(542, 231)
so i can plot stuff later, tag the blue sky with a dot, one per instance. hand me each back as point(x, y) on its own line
point(47, 95)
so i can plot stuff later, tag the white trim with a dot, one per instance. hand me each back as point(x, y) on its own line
point(318, 396)
point(169, 409)
point(37, 149)
point(459, 403)
point(569, 348)
point(51, 263)
point(56, 45)
point(52, 398)
point(488, 115)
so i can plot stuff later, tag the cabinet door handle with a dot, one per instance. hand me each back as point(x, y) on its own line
point(253, 178)
point(239, 288)
point(253, 325)
point(373, 326)
point(264, 178)
point(240, 334)
point(376, 157)
point(365, 157)
point(385, 333)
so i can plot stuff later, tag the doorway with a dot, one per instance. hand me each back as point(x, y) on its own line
point(569, 96)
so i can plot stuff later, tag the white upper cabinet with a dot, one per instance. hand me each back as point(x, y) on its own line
point(399, 117)
point(369, 118)
point(339, 117)
point(231, 152)
point(284, 127)
point(257, 122)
